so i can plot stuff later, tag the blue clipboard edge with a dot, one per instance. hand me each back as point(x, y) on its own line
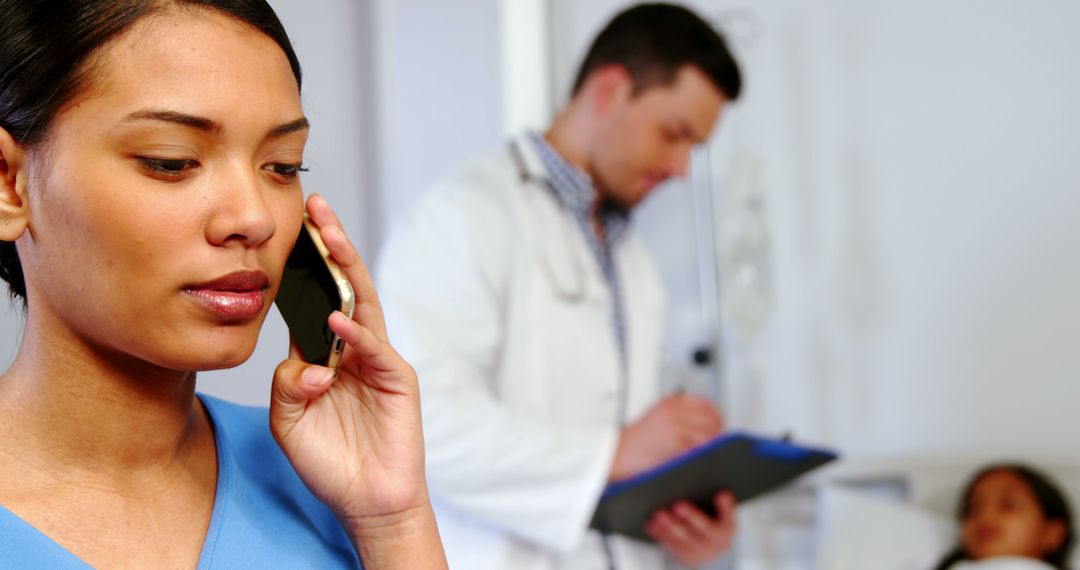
point(776, 447)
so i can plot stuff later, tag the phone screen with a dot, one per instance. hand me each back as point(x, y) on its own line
point(307, 297)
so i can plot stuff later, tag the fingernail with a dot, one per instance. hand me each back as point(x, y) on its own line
point(316, 375)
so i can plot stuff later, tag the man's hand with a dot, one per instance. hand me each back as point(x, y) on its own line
point(690, 535)
point(672, 426)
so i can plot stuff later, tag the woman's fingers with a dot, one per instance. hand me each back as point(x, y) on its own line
point(368, 310)
point(295, 384)
point(374, 353)
point(320, 211)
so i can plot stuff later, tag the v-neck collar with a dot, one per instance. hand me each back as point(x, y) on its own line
point(21, 532)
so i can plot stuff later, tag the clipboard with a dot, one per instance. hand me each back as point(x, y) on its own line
point(747, 465)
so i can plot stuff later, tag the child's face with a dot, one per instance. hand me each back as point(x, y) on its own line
point(1004, 518)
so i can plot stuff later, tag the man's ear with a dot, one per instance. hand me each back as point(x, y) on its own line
point(609, 86)
point(14, 205)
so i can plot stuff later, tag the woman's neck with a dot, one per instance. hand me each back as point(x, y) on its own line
point(65, 403)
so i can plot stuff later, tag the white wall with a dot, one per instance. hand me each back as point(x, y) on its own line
point(931, 241)
point(438, 90)
point(920, 187)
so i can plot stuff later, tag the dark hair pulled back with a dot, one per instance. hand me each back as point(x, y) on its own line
point(46, 50)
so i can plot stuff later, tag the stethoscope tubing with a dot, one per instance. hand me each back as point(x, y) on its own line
point(577, 291)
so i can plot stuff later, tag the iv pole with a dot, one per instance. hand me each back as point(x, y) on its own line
point(707, 357)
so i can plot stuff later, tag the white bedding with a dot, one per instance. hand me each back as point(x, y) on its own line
point(858, 531)
point(892, 514)
point(1003, 563)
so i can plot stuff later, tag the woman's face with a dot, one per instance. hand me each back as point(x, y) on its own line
point(166, 198)
point(1004, 518)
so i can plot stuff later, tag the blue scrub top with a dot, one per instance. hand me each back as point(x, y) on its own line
point(264, 516)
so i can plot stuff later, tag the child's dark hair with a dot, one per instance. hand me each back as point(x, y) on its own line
point(1051, 500)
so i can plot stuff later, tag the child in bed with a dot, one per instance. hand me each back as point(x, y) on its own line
point(1012, 517)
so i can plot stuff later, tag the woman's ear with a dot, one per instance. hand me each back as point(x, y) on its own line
point(1053, 535)
point(14, 206)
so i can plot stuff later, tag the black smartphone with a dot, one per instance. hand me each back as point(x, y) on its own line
point(313, 287)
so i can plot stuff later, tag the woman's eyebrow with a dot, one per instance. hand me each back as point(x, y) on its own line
point(208, 125)
point(200, 123)
point(288, 128)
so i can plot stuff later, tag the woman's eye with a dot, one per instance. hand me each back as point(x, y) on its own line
point(167, 167)
point(286, 171)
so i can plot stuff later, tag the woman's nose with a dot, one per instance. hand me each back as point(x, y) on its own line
point(240, 213)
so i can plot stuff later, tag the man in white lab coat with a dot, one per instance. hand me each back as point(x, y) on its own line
point(533, 315)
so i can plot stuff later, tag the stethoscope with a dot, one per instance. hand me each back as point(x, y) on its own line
point(576, 291)
point(575, 294)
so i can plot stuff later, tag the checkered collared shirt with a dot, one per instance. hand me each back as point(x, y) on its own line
point(575, 191)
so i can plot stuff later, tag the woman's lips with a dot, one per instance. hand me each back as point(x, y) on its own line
point(235, 296)
point(231, 304)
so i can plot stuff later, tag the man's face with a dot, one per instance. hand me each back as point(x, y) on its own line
point(646, 138)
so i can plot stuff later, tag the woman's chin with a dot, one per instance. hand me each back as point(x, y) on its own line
point(206, 356)
point(223, 363)
point(228, 359)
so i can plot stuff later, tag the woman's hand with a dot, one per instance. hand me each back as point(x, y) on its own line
point(355, 439)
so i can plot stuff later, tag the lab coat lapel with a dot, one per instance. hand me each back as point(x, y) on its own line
point(569, 265)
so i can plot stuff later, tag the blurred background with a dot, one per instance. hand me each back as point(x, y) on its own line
point(878, 251)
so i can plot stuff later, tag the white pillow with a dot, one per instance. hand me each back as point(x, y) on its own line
point(1003, 563)
point(857, 531)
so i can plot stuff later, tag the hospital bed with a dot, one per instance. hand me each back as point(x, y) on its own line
point(881, 514)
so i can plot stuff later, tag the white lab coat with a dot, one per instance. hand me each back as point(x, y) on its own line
point(493, 295)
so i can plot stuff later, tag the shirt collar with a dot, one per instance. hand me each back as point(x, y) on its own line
point(575, 191)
